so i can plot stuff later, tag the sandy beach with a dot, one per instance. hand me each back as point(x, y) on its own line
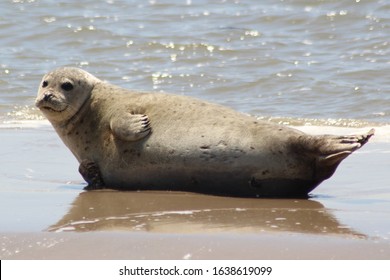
point(47, 215)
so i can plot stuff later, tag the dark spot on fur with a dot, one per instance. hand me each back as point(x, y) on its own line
point(265, 172)
point(86, 148)
point(252, 148)
point(205, 147)
point(222, 143)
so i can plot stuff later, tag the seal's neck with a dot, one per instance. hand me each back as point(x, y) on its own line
point(68, 126)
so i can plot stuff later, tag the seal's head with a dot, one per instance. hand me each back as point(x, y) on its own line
point(63, 92)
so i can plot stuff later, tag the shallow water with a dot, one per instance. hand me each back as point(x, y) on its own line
point(322, 66)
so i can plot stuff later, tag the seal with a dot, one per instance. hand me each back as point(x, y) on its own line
point(131, 140)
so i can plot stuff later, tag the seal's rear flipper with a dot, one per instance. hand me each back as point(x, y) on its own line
point(333, 159)
point(339, 147)
point(334, 149)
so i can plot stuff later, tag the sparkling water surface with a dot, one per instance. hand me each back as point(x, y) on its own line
point(323, 61)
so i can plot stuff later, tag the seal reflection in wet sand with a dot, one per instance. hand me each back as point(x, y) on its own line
point(131, 140)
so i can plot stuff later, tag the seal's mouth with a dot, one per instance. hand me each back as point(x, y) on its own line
point(51, 102)
point(50, 106)
point(51, 109)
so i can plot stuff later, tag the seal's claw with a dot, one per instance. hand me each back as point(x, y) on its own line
point(91, 174)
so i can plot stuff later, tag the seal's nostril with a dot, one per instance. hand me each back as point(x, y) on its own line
point(47, 96)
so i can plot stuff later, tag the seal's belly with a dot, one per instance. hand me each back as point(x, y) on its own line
point(216, 169)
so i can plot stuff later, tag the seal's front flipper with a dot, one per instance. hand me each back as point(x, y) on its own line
point(130, 127)
point(91, 174)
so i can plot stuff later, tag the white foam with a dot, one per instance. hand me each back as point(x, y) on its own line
point(24, 124)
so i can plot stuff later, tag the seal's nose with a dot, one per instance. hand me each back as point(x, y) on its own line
point(47, 96)
point(43, 98)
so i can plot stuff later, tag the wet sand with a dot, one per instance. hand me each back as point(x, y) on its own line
point(47, 215)
point(126, 245)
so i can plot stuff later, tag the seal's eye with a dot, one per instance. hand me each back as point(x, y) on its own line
point(67, 86)
point(45, 84)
